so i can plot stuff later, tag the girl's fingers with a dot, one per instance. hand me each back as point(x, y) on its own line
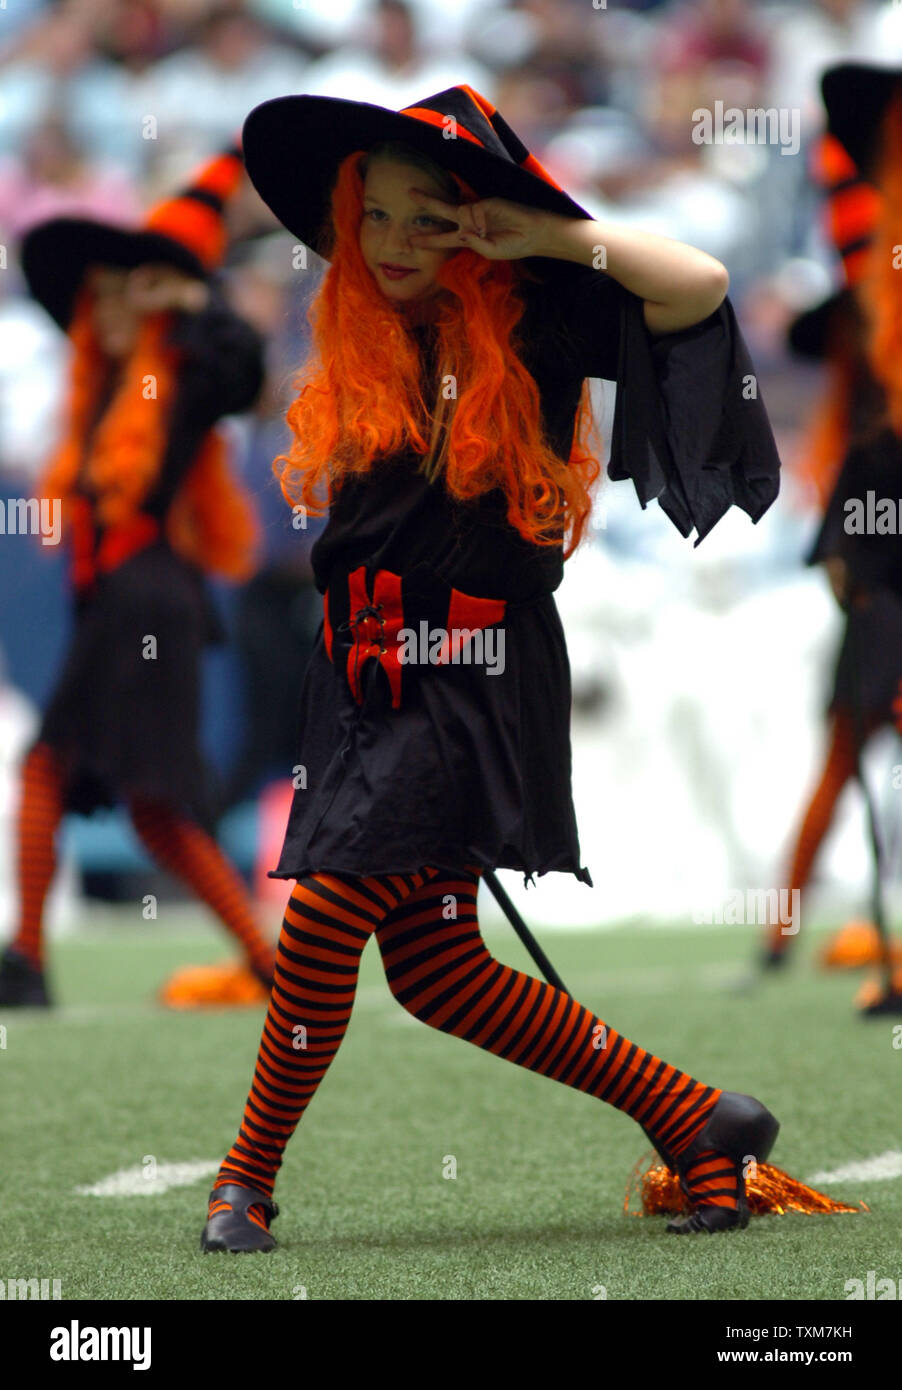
point(138, 280)
point(448, 210)
point(470, 217)
point(473, 219)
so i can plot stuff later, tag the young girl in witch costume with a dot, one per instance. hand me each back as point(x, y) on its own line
point(857, 330)
point(157, 359)
point(458, 320)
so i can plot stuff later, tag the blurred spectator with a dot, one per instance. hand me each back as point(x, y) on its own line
point(559, 41)
point(706, 51)
point(33, 359)
point(387, 64)
point(54, 178)
point(135, 33)
point(807, 39)
point(535, 104)
point(277, 613)
point(698, 33)
point(327, 24)
point(647, 171)
point(16, 18)
point(201, 94)
point(56, 65)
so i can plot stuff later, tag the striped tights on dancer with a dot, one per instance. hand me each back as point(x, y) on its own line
point(838, 769)
point(173, 840)
point(439, 970)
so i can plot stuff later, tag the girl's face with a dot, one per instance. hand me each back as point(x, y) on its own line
point(113, 319)
point(390, 215)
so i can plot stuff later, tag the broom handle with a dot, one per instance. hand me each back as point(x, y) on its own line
point(523, 932)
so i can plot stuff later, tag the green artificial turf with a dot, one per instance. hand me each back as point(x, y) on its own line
point(536, 1208)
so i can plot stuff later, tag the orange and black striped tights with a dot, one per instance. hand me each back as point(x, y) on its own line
point(839, 767)
point(439, 970)
point(174, 841)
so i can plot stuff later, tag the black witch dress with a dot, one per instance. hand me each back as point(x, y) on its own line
point(866, 535)
point(455, 750)
point(124, 713)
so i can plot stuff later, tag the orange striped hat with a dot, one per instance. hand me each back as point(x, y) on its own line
point(186, 231)
point(851, 213)
point(194, 218)
point(294, 145)
point(852, 207)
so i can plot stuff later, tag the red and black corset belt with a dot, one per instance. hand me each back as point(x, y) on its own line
point(96, 551)
point(364, 612)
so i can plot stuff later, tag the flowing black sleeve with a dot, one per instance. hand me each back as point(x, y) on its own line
point(690, 427)
point(220, 373)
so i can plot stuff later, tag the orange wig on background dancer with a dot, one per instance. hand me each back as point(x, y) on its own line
point(211, 522)
point(147, 492)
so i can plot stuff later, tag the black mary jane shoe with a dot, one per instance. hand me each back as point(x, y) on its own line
point(740, 1128)
point(233, 1229)
point(713, 1219)
point(22, 984)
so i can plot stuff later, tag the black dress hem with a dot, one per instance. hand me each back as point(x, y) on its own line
point(440, 861)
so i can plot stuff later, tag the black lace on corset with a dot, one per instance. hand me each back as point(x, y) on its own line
point(368, 610)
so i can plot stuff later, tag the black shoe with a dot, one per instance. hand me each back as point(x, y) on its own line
point(232, 1229)
point(22, 985)
point(713, 1219)
point(887, 1002)
point(739, 1127)
point(773, 958)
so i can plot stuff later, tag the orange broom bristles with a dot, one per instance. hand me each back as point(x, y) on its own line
point(769, 1191)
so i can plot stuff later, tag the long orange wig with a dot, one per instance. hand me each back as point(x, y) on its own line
point(360, 396)
point(211, 521)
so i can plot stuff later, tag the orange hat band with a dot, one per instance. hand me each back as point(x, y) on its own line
point(194, 218)
point(477, 120)
point(853, 206)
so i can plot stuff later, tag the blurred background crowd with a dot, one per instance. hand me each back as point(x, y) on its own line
point(699, 675)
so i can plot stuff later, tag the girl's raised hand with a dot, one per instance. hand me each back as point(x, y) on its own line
point(498, 229)
point(154, 289)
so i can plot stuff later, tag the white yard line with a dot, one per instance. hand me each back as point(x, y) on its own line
point(877, 1169)
point(150, 1179)
point(370, 998)
point(74, 1013)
